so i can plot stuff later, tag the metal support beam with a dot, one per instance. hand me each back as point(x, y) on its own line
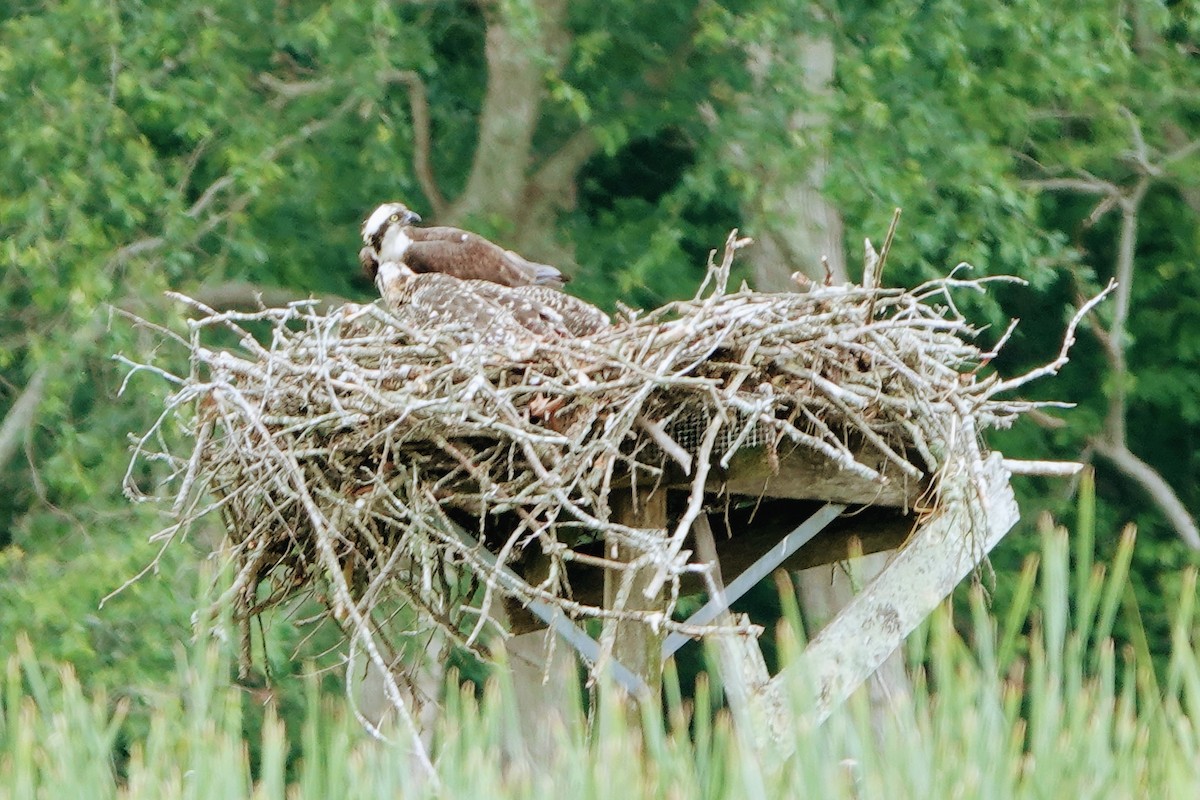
point(558, 621)
point(764, 566)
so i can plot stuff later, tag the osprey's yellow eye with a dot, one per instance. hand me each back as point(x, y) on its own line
point(394, 218)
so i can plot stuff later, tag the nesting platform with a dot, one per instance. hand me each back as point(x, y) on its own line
point(410, 479)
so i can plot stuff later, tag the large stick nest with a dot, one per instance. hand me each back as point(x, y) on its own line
point(360, 462)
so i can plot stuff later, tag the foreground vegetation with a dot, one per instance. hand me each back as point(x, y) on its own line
point(1037, 704)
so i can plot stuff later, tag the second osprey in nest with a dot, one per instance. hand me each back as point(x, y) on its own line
point(389, 234)
point(457, 280)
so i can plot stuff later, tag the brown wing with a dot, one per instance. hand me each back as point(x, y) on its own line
point(469, 256)
point(369, 262)
point(440, 233)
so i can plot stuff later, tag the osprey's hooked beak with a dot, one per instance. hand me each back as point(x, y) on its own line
point(411, 217)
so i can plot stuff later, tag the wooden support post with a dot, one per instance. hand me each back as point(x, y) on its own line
point(706, 549)
point(542, 671)
point(556, 619)
point(636, 645)
point(743, 669)
point(920, 576)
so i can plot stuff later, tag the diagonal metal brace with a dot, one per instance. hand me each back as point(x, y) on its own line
point(760, 569)
point(558, 622)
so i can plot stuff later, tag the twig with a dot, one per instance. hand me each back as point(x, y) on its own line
point(669, 446)
point(1081, 185)
point(887, 248)
point(218, 186)
point(1051, 469)
point(1061, 360)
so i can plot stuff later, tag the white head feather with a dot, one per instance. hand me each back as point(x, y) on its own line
point(390, 219)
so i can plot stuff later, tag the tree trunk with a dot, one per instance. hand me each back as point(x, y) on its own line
point(796, 229)
point(511, 109)
point(507, 181)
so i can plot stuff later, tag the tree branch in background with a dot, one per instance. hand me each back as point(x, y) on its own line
point(290, 90)
point(1126, 246)
point(556, 175)
point(209, 196)
point(21, 415)
point(549, 191)
point(1155, 486)
point(418, 104)
point(246, 296)
point(1150, 44)
point(1084, 185)
point(1184, 149)
point(1177, 137)
point(1113, 443)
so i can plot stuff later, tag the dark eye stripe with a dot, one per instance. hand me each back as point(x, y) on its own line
point(377, 239)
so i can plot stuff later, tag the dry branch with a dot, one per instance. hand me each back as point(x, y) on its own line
point(1113, 442)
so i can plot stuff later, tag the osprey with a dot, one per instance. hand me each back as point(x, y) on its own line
point(498, 313)
point(571, 316)
point(388, 234)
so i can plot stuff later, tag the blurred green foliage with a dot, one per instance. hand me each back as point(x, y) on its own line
point(147, 147)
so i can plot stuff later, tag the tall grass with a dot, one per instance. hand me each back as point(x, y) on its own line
point(1038, 703)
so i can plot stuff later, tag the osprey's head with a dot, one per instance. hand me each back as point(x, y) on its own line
point(385, 227)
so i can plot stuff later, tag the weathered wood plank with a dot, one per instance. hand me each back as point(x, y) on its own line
point(853, 645)
point(636, 645)
point(543, 674)
point(804, 474)
point(743, 669)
